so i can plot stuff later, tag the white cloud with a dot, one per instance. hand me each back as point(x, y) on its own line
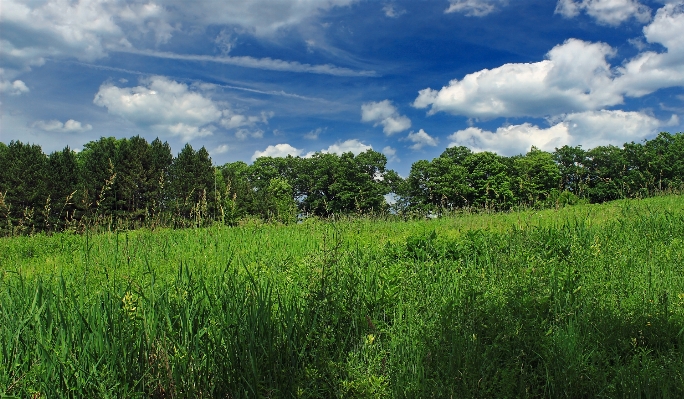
point(277, 151)
point(392, 12)
point(282, 150)
point(385, 114)
point(232, 120)
point(354, 146)
point(575, 77)
point(257, 63)
point(313, 135)
point(174, 108)
point(84, 29)
point(244, 134)
point(221, 149)
point(90, 29)
point(391, 154)
point(13, 88)
point(606, 12)
point(70, 126)
point(475, 8)
point(589, 129)
point(421, 139)
point(650, 71)
point(164, 105)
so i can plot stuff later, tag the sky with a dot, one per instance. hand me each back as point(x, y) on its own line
point(408, 78)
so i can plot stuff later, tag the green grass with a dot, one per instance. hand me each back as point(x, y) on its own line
point(584, 301)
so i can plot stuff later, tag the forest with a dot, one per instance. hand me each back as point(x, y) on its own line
point(129, 183)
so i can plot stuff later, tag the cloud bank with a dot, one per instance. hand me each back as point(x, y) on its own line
point(589, 129)
point(575, 77)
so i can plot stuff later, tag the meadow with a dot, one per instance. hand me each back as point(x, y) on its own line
point(582, 301)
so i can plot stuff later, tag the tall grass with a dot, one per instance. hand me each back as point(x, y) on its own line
point(585, 301)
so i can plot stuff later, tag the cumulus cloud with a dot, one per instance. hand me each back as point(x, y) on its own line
point(174, 108)
point(391, 154)
point(70, 126)
point(354, 146)
point(475, 8)
point(385, 113)
point(575, 77)
point(421, 139)
point(589, 129)
point(84, 29)
point(650, 70)
point(283, 150)
point(13, 88)
point(221, 149)
point(278, 151)
point(606, 12)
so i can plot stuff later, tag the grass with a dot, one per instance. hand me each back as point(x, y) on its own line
point(584, 301)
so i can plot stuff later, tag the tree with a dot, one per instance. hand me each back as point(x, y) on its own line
point(23, 184)
point(98, 174)
point(606, 168)
point(281, 205)
point(536, 175)
point(130, 188)
point(572, 163)
point(191, 182)
point(158, 191)
point(488, 177)
point(63, 183)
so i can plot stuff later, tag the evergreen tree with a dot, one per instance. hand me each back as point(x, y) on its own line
point(63, 184)
point(24, 188)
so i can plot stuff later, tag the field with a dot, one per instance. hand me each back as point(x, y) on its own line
point(583, 301)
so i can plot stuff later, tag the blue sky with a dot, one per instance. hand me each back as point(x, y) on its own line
point(277, 77)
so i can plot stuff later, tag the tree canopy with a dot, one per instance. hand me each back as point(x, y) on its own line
point(130, 183)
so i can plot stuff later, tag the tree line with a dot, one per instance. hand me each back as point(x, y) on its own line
point(128, 183)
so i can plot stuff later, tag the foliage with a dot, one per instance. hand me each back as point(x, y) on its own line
point(584, 301)
point(130, 183)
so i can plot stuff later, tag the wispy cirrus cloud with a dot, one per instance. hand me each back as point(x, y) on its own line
point(475, 8)
point(257, 63)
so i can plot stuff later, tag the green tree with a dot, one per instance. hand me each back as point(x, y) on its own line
point(606, 168)
point(572, 163)
point(98, 174)
point(192, 186)
point(23, 186)
point(63, 184)
point(130, 188)
point(488, 176)
point(536, 176)
point(238, 196)
point(158, 190)
point(281, 204)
